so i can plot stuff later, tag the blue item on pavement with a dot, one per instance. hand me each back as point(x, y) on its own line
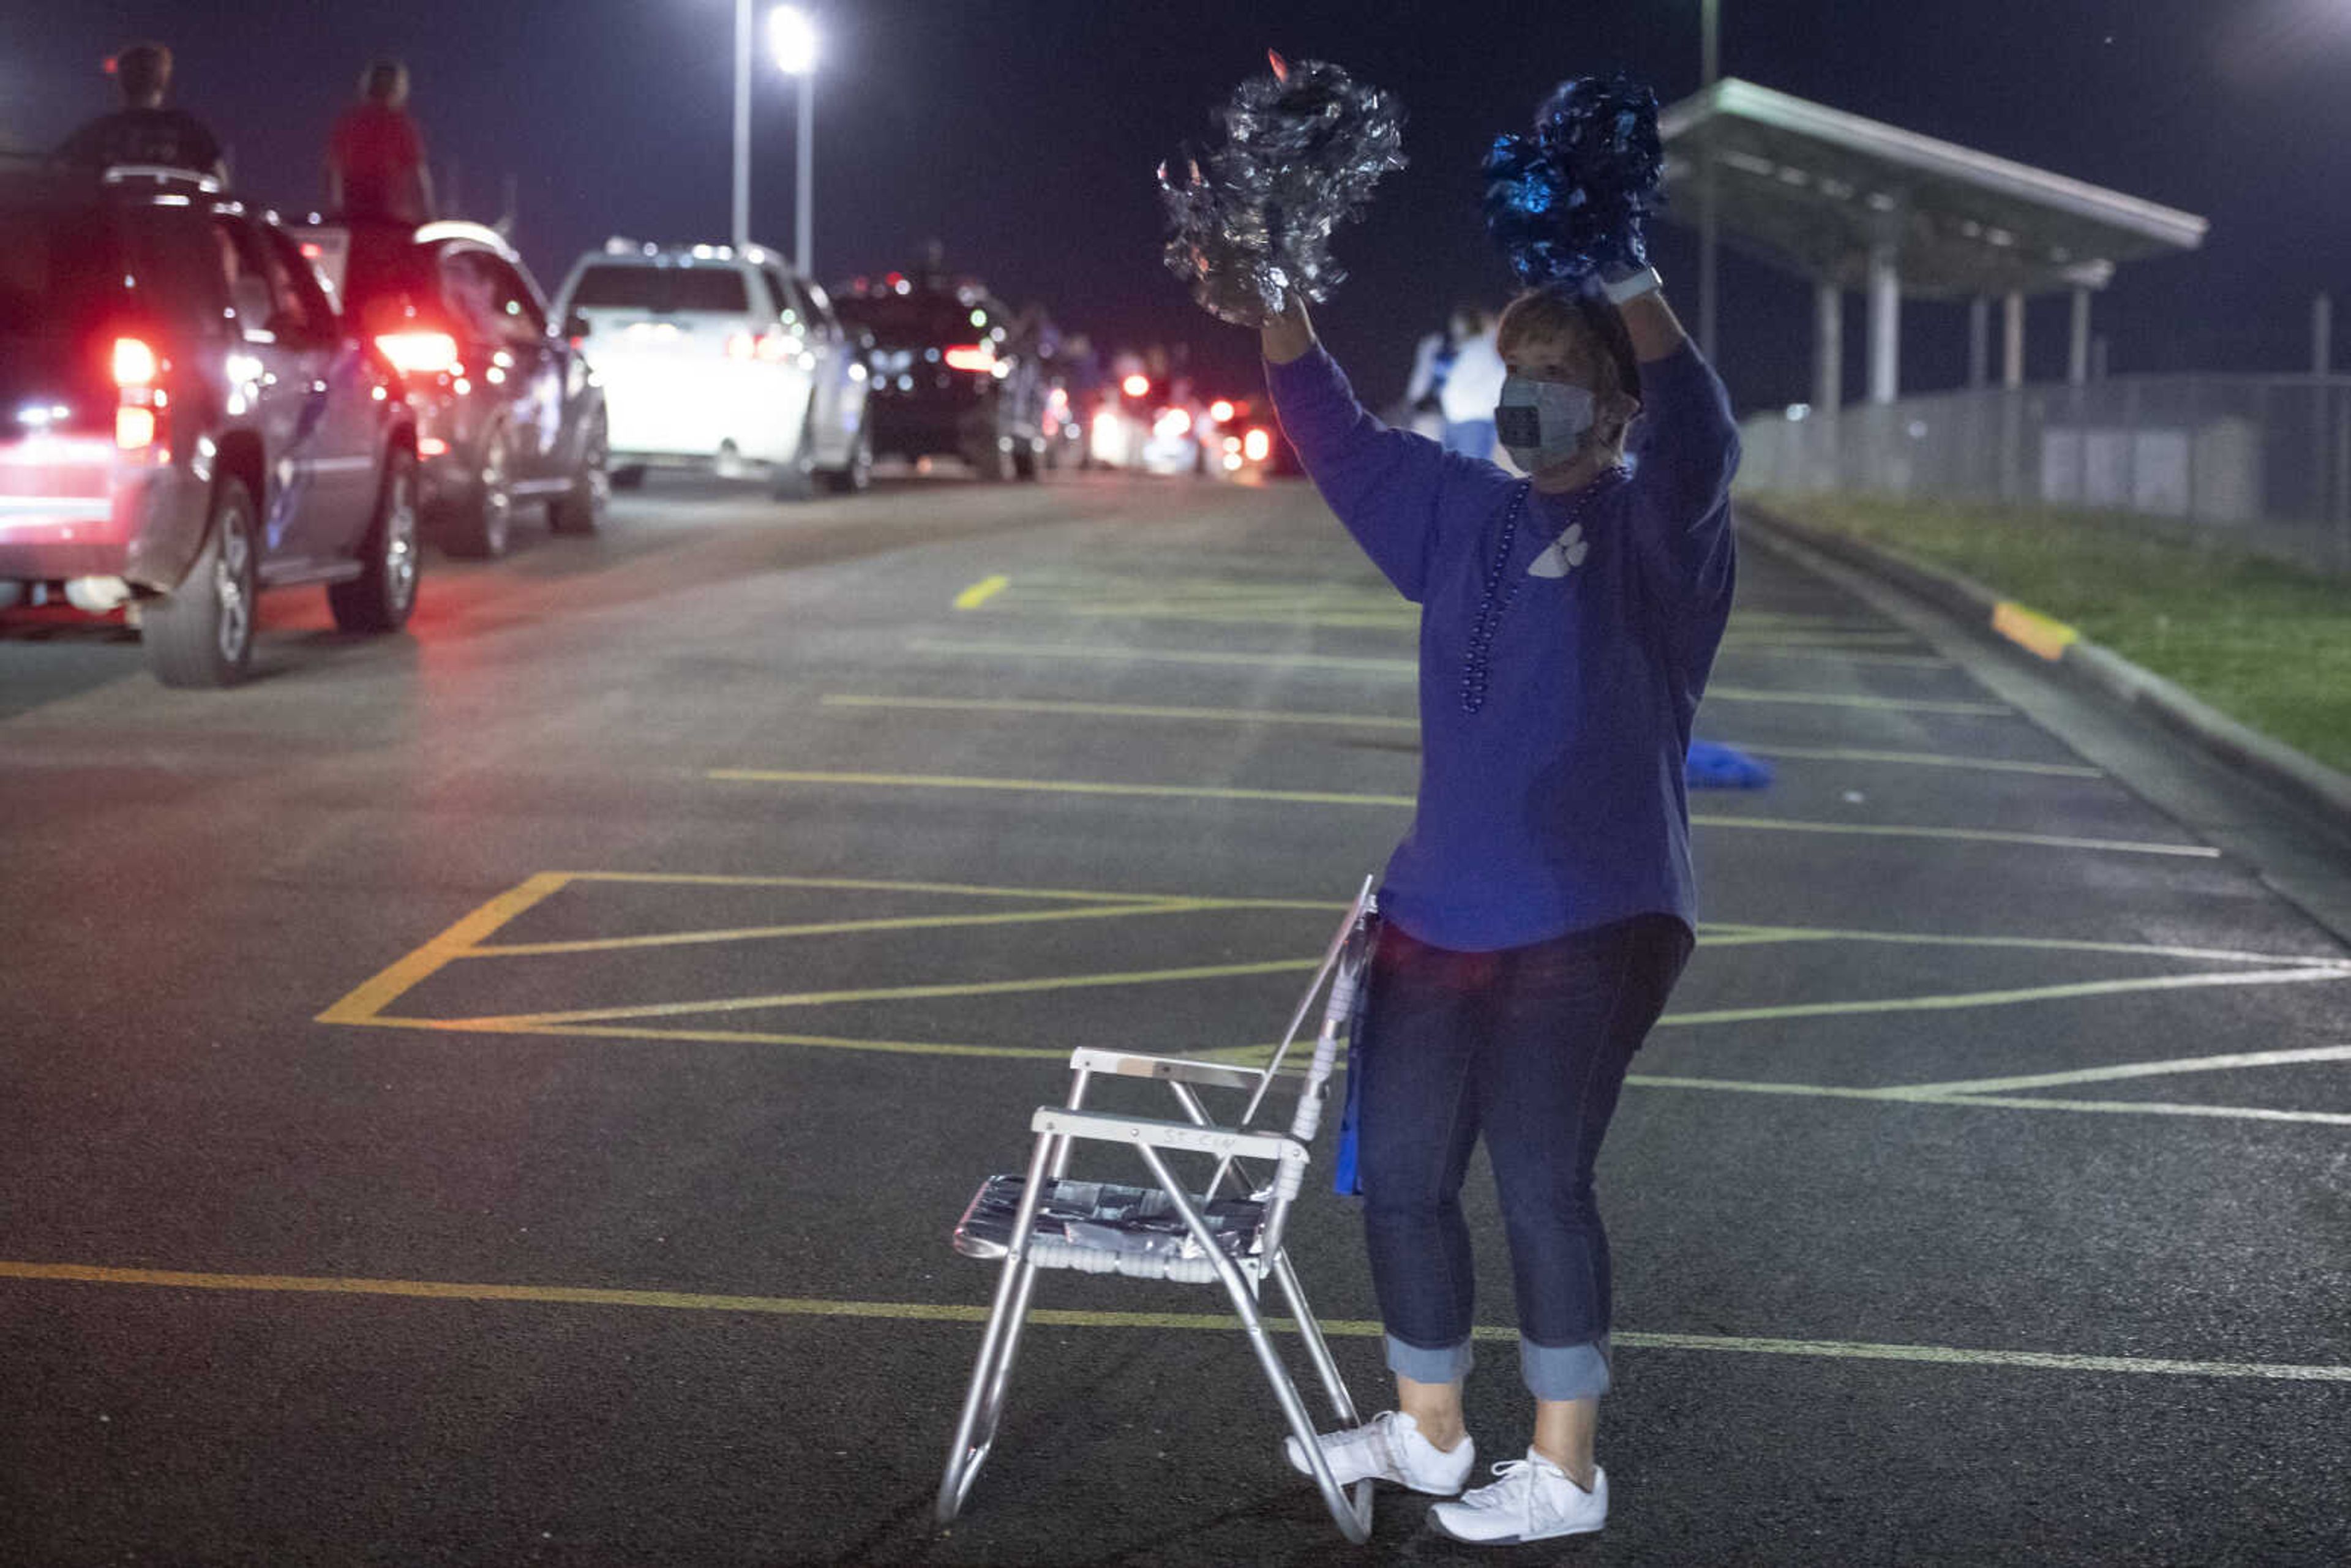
point(1714, 766)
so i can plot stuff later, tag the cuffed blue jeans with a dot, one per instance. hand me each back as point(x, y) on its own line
point(1526, 1047)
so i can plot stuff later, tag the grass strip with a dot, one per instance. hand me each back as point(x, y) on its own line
point(2265, 643)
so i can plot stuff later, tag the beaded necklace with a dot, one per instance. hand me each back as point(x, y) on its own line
point(1477, 663)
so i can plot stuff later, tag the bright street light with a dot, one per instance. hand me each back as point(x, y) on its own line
point(792, 36)
point(792, 42)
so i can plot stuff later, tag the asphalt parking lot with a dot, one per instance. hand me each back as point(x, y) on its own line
point(500, 1094)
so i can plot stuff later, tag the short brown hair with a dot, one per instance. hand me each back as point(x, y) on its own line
point(1564, 310)
point(142, 70)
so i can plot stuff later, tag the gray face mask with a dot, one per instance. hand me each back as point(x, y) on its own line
point(1543, 423)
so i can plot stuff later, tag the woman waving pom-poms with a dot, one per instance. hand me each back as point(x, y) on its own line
point(1543, 905)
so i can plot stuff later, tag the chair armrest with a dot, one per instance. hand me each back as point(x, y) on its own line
point(1222, 1142)
point(1129, 1064)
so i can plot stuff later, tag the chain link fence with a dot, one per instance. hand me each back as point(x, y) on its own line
point(2262, 461)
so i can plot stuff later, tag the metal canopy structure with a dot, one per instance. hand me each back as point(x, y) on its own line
point(1852, 203)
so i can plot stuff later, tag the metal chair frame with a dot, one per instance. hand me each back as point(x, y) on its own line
point(1058, 1130)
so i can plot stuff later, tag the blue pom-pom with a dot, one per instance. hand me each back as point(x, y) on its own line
point(1570, 199)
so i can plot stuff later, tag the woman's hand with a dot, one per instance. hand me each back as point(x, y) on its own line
point(1288, 336)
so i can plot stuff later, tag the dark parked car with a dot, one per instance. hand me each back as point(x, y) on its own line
point(507, 408)
point(953, 374)
point(186, 420)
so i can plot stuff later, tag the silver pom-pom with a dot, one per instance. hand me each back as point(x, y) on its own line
point(1252, 221)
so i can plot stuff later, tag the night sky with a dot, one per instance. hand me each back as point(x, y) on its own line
point(1024, 135)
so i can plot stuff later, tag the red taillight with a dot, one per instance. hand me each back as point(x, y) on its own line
point(1257, 445)
point(1135, 385)
point(975, 357)
point(1220, 411)
point(135, 362)
point(310, 251)
point(419, 354)
point(139, 422)
point(432, 446)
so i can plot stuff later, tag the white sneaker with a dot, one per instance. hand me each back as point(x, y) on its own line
point(1389, 1448)
point(1534, 1500)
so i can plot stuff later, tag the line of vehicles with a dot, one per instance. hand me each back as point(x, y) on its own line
point(200, 401)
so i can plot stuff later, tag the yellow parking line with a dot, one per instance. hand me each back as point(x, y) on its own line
point(977, 889)
point(2007, 997)
point(897, 993)
point(1334, 798)
point(827, 928)
point(1119, 710)
point(1918, 759)
point(1845, 655)
point(1929, 1095)
point(965, 1313)
point(1392, 721)
point(1057, 787)
point(1715, 693)
point(980, 592)
point(2237, 1062)
point(1969, 835)
point(1096, 653)
point(1735, 935)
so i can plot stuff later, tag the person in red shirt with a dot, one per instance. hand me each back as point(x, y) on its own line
point(375, 155)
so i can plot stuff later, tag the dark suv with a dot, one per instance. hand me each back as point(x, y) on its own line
point(953, 374)
point(507, 409)
point(185, 421)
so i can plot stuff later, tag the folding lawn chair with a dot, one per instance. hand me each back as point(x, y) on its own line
point(1047, 1220)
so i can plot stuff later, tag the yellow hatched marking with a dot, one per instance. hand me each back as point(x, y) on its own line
point(379, 992)
point(494, 1025)
point(964, 1312)
point(826, 928)
point(900, 993)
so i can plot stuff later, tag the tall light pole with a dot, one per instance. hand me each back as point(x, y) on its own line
point(1710, 69)
point(793, 37)
point(741, 224)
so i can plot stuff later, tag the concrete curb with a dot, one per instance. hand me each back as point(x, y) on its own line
point(2084, 664)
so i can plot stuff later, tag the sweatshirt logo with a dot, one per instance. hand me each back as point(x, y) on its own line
point(1565, 555)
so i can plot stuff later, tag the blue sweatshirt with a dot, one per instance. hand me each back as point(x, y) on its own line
point(1558, 803)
